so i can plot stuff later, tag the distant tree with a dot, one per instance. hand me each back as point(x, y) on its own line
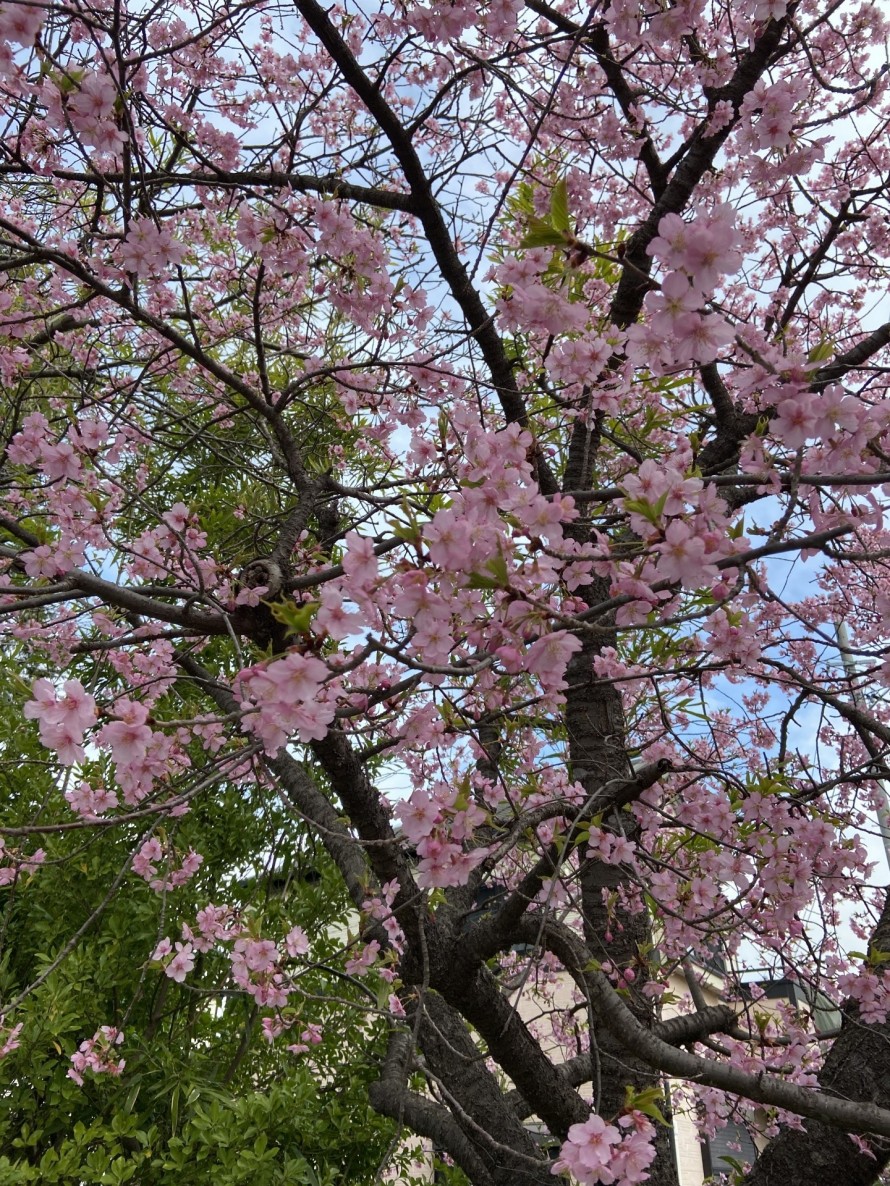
point(439, 444)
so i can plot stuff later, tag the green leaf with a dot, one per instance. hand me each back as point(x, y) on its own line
point(648, 1102)
point(477, 581)
point(497, 566)
point(542, 233)
point(823, 351)
point(297, 618)
point(559, 207)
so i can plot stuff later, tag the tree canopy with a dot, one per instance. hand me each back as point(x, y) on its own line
point(445, 451)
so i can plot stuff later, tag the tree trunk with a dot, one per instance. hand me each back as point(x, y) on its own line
point(598, 752)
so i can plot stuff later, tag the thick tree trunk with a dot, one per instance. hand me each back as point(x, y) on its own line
point(499, 1138)
point(598, 752)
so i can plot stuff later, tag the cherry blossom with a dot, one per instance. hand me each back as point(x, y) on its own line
point(21, 23)
point(97, 1054)
point(588, 1152)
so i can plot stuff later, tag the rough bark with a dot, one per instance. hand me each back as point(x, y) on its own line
point(459, 1074)
point(598, 751)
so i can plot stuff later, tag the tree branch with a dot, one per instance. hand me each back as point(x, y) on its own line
point(852, 1116)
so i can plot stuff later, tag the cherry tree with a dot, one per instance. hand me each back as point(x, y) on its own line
point(445, 439)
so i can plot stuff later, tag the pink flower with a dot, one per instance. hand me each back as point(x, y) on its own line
point(181, 964)
point(128, 737)
point(359, 965)
point(677, 297)
point(588, 1152)
point(311, 1036)
point(257, 955)
point(96, 1054)
point(797, 419)
point(21, 23)
point(449, 540)
point(636, 1152)
point(359, 562)
point(548, 657)
point(62, 722)
point(149, 249)
point(704, 249)
point(11, 1041)
point(333, 618)
point(89, 801)
point(177, 517)
point(288, 699)
point(146, 857)
point(418, 815)
point(295, 942)
point(683, 557)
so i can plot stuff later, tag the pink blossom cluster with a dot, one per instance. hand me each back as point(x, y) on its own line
point(362, 570)
point(532, 304)
point(34, 445)
point(870, 989)
point(141, 755)
point(789, 858)
point(361, 284)
point(21, 23)
point(274, 1027)
point(62, 721)
point(257, 964)
point(768, 113)
point(704, 249)
point(734, 637)
point(178, 959)
point(172, 548)
point(9, 1035)
point(54, 560)
point(381, 908)
point(215, 924)
point(686, 525)
point(438, 825)
point(98, 1054)
point(440, 23)
point(149, 249)
point(610, 848)
point(546, 658)
point(89, 106)
point(15, 862)
point(334, 618)
point(151, 853)
point(598, 1152)
point(361, 963)
point(309, 1037)
point(77, 501)
point(256, 967)
point(574, 361)
point(803, 415)
point(288, 697)
point(480, 537)
point(696, 254)
point(91, 802)
point(276, 236)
